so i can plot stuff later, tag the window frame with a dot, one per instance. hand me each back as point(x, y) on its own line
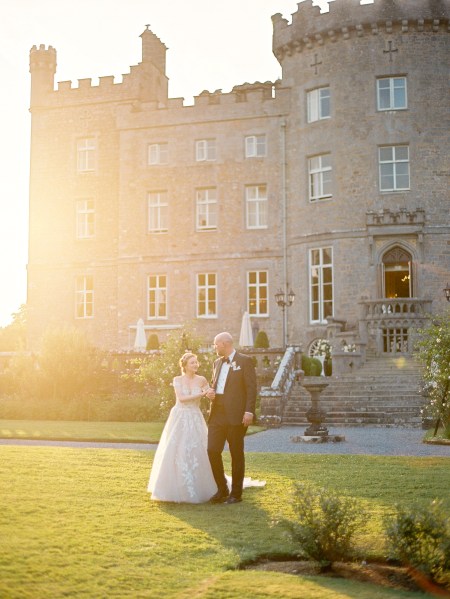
point(315, 104)
point(86, 155)
point(395, 166)
point(258, 298)
point(160, 296)
point(210, 290)
point(209, 204)
point(256, 207)
point(161, 208)
point(84, 218)
point(316, 178)
point(84, 297)
point(256, 146)
point(160, 152)
point(392, 79)
point(205, 150)
point(320, 285)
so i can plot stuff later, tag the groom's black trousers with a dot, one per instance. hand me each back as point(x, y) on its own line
point(220, 431)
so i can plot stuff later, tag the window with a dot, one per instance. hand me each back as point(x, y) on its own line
point(321, 284)
point(318, 104)
point(205, 149)
point(206, 295)
point(394, 168)
point(258, 293)
point(256, 206)
point(84, 219)
point(84, 296)
point(206, 209)
point(157, 212)
point(157, 296)
point(255, 146)
point(158, 153)
point(86, 155)
point(319, 169)
point(391, 93)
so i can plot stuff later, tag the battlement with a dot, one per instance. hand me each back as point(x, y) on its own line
point(346, 18)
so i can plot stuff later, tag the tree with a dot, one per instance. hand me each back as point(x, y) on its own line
point(68, 362)
point(13, 336)
point(157, 371)
point(433, 351)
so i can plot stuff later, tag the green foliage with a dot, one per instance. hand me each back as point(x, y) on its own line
point(325, 523)
point(311, 366)
point(420, 537)
point(158, 371)
point(433, 351)
point(153, 342)
point(261, 341)
point(13, 336)
point(68, 362)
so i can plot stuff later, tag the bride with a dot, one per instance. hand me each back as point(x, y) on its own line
point(181, 471)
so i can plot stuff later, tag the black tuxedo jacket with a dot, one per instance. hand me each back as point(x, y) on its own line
point(239, 395)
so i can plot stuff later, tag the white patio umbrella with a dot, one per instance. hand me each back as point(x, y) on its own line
point(140, 341)
point(246, 336)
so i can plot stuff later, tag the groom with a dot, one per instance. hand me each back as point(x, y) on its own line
point(233, 399)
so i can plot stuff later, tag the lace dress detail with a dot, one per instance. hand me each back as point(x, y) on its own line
point(181, 471)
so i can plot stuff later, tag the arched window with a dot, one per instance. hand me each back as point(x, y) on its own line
point(397, 279)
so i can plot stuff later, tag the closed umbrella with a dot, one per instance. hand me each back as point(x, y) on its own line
point(246, 336)
point(140, 342)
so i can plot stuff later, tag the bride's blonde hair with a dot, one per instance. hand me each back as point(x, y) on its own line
point(184, 360)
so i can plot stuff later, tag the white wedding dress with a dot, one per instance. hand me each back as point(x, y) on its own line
point(181, 471)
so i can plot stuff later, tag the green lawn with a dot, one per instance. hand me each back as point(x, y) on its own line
point(79, 523)
point(133, 432)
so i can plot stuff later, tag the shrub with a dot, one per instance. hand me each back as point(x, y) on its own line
point(433, 351)
point(311, 366)
point(261, 341)
point(153, 342)
point(68, 363)
point(420, 538)
point(324, 524)
point(157, 371)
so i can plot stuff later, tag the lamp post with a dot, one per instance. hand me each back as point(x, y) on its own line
point(284, 301)
point(446, 291)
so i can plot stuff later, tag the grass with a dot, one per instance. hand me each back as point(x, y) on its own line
point(126, 432)
point(79, 523)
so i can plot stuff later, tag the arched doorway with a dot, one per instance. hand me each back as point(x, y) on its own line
point(397, 279)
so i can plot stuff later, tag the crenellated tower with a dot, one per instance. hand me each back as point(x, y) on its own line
point(42, 69)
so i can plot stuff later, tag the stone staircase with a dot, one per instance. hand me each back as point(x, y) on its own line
point(384, 392)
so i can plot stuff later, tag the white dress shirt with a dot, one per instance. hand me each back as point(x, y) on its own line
point(224, 370)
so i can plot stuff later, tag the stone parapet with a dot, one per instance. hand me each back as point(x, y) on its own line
point(348, 18)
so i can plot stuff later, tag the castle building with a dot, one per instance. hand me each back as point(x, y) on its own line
point(332, 181)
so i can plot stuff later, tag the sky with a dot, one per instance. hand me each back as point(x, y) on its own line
point(211, 45)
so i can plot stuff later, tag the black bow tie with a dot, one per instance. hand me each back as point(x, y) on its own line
point(226, 361)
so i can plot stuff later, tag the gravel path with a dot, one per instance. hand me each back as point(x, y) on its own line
point(358, 440)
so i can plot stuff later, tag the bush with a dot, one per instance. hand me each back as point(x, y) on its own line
point(261, 341)
point(420, 537)
point(433, 351)
point(153, 342)
point(324, 524)
point(157, 371)
point(311, 366)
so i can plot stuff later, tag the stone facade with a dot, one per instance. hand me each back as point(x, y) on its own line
point(317, 184)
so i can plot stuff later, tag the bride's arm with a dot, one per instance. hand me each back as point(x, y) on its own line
point(180, 395)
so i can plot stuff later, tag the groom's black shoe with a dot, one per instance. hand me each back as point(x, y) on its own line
point(231, 499)
point(219, 497)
